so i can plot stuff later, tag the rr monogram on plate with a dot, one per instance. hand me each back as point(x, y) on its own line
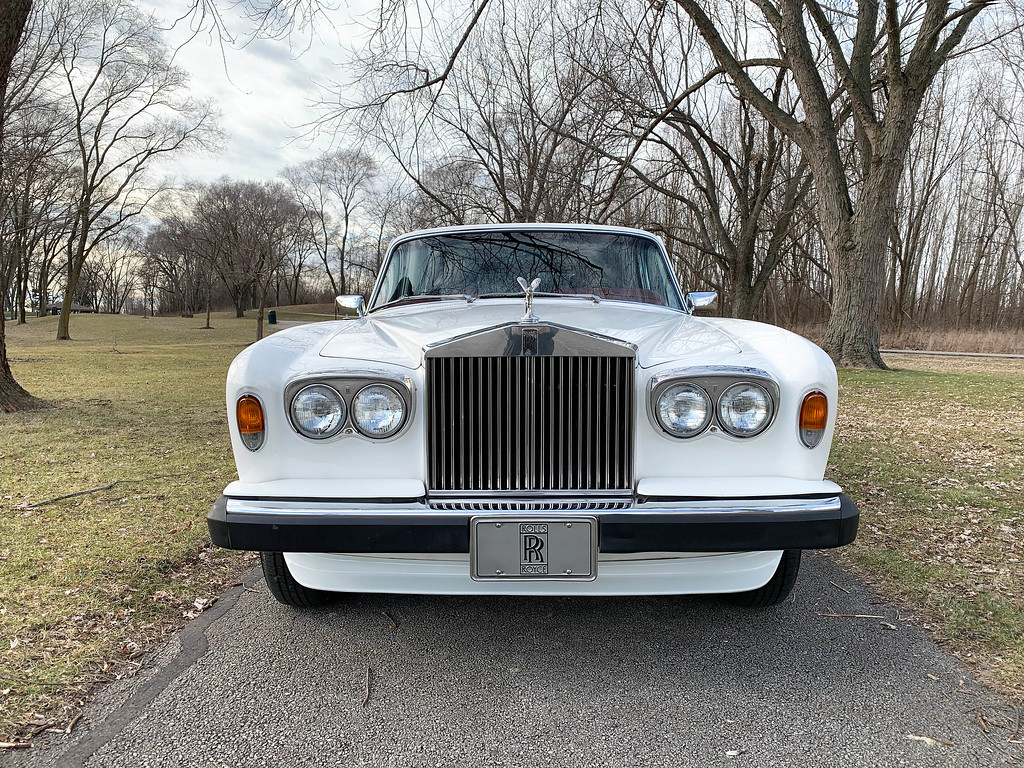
point(533, 543)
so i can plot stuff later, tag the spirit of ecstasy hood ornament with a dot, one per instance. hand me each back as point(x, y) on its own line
point(529, 317)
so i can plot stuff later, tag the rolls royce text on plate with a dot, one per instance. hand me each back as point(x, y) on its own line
point(531, 410)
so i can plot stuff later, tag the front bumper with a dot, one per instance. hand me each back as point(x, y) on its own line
point(662, 525)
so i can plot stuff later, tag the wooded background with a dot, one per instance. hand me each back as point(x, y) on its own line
point(858, 165)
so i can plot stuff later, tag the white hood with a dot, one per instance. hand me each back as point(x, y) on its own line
point(660, 335)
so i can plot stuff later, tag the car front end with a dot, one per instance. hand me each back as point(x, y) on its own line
point(596, 439)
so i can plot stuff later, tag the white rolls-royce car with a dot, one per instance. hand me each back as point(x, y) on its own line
point(531, 410)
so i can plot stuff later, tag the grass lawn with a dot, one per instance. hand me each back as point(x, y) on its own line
point(933, 453)
point(89, 583)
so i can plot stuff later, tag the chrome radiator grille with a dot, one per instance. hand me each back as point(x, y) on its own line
point(530, 423)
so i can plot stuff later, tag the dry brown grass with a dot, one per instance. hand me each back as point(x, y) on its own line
point(938, 340)
point(88, 584)
point(991, 342)
point(933, 453)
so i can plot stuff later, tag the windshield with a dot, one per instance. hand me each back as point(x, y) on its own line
point(607, 265)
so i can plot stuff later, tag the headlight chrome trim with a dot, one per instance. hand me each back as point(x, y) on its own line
point(714, 380)
point(348, 383)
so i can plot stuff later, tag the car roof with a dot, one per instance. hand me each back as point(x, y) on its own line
point(531, 226)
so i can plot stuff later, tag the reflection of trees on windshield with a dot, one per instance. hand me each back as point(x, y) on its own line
point(479, 263)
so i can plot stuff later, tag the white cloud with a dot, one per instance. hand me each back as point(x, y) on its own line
point(263, 90)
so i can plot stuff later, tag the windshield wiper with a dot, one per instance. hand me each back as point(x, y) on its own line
point(417, 298)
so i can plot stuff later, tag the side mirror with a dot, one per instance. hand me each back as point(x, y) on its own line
point(696, 299)
point(352, 304)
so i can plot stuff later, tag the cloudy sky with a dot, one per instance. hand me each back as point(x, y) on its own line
point(263, 90)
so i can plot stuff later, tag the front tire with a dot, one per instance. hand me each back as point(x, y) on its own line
point(286, 589)
point(778, 587)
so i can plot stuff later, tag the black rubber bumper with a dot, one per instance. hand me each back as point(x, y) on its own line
point(626, 531)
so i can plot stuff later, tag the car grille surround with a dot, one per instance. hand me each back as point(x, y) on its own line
point(516, 426)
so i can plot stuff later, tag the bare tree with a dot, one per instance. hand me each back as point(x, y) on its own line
point(247, 230)
point(113, 270)
point(689, 137)
point(881, 93)
point(37, 199)
point(499, 143)
point(938, 147)
point(859, 76)
point(274, 231)
point(176, 256)
point(333, 189)
point(131, 105)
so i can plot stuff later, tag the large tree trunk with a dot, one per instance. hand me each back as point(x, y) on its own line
point(64, 324)
point(76, 260)
point(857, 249)
point(13, 17)
point(859, 254)
point(744, 302)
point(13, 397)
point(852, 335)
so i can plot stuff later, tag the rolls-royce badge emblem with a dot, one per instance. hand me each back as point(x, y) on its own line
point(533, 539)
point(529, 317)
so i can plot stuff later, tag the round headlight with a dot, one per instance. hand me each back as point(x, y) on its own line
point(318, 411)
point(378, 410)
point(684, 410)
point(745, 409)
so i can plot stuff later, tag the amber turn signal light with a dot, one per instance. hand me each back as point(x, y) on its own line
point(250, 415)
point(813, 418)
point(814, 411)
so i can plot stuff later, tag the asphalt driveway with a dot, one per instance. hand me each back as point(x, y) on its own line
point(457, 681)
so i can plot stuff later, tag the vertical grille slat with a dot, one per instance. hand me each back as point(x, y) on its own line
point(557, 423)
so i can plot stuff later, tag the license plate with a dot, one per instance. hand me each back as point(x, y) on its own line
point(545, 548)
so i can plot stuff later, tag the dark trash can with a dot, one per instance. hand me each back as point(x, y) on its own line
point(272, 317)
